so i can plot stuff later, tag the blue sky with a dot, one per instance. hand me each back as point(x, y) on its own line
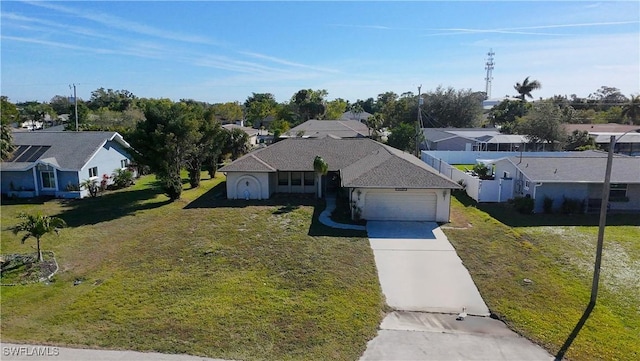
point(224, 51)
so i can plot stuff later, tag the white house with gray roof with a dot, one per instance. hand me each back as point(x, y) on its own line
point(579, 176)
point(55, 163)
point(383, 183)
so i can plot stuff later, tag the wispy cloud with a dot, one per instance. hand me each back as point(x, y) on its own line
point(122, 24)
point(286, 62)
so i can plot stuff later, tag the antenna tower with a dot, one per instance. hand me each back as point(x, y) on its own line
point(489, 68)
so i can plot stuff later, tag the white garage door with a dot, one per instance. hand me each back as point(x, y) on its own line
point(400, 206)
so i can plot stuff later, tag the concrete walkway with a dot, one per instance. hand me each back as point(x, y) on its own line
point(325, 216)
point(419, 270)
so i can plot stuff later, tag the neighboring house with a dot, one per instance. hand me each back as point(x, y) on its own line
point(329, 128)
point(577, 177)
point(472, 139)
point(55, 163)
point(251, 132)
point(359, 116)
point(628, 143)
point(383, 183)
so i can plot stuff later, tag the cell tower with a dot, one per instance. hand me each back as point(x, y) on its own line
point(489, 67)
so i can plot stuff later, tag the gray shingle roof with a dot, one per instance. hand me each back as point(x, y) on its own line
point(68, 150)
point(579, 169)
point(336, 128)
point(362, 162)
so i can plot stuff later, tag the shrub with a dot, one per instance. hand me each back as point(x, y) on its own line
point(523, 205)
point(122, 178)
point(483, 171)
point(547, 205)
point(572, 206)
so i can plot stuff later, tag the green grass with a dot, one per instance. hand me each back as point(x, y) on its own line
point(464, 167)
point(202, 275)
point(501, 248)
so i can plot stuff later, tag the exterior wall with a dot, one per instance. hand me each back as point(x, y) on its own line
point(107, 159)
point(559, 191)
point(20, 181)
point(357, 196)
point(633, 193)
point(456, 143)
point(66, 178)
point(290, 187)
point(242, 185)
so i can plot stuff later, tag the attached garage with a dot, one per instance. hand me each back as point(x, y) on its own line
point(400, 205)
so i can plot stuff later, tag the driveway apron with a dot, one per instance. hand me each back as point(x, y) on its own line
point(419, 270)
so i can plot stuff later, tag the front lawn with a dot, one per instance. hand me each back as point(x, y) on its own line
point(502, 248)
point(202, 275)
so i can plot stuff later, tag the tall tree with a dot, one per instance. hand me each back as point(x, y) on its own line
point(524, 90)
point(237, 143)
point(116, 100)
point(227, 112)
point(310, 103)
point(374, 123)
point(8, 114)
point(61, 104)
point(321, 168)
point(335, 109)
point(631, 109)
point(453, 108)
point(260, 106)
point(37, 226)
point(543, 125)
point(579, 140)
point(403, 137)
point(165, 140)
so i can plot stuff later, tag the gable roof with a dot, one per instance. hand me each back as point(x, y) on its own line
point(330, 128)
point(63, 150)
point(249, 131)
point(362, 162)
point(584, 168)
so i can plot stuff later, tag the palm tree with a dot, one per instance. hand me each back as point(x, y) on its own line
point(526, 88)
point(632, 109)
point(6, 142)
point(321, 167)
point(37, 226)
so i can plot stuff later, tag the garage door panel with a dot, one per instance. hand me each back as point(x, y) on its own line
point(400, 206)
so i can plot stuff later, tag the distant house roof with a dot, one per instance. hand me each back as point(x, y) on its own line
point(250, 131)
point(329, 128)
point(63, 150)
point(581, 168)
point(359, 116)
point(483, 135)
point(362, 162)
point(602, 128)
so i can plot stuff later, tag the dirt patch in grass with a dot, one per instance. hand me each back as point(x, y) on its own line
point(19, 269)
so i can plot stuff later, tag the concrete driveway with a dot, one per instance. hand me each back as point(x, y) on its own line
point(419, 269)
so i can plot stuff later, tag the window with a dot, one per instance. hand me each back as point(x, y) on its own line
point(48, 179)
point(526, 185)
point(124, 163)
point(93, 172)
point(309, 178)
point(296, 178)
point(283, 178)
point(618, 192)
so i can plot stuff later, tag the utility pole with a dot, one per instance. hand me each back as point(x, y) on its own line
point(419, 122)
point(489, 68)
point(75, 101)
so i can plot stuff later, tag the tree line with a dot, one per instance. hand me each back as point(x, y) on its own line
point(169, 136)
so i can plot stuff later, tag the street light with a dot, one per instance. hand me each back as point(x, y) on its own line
point(603, 216)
